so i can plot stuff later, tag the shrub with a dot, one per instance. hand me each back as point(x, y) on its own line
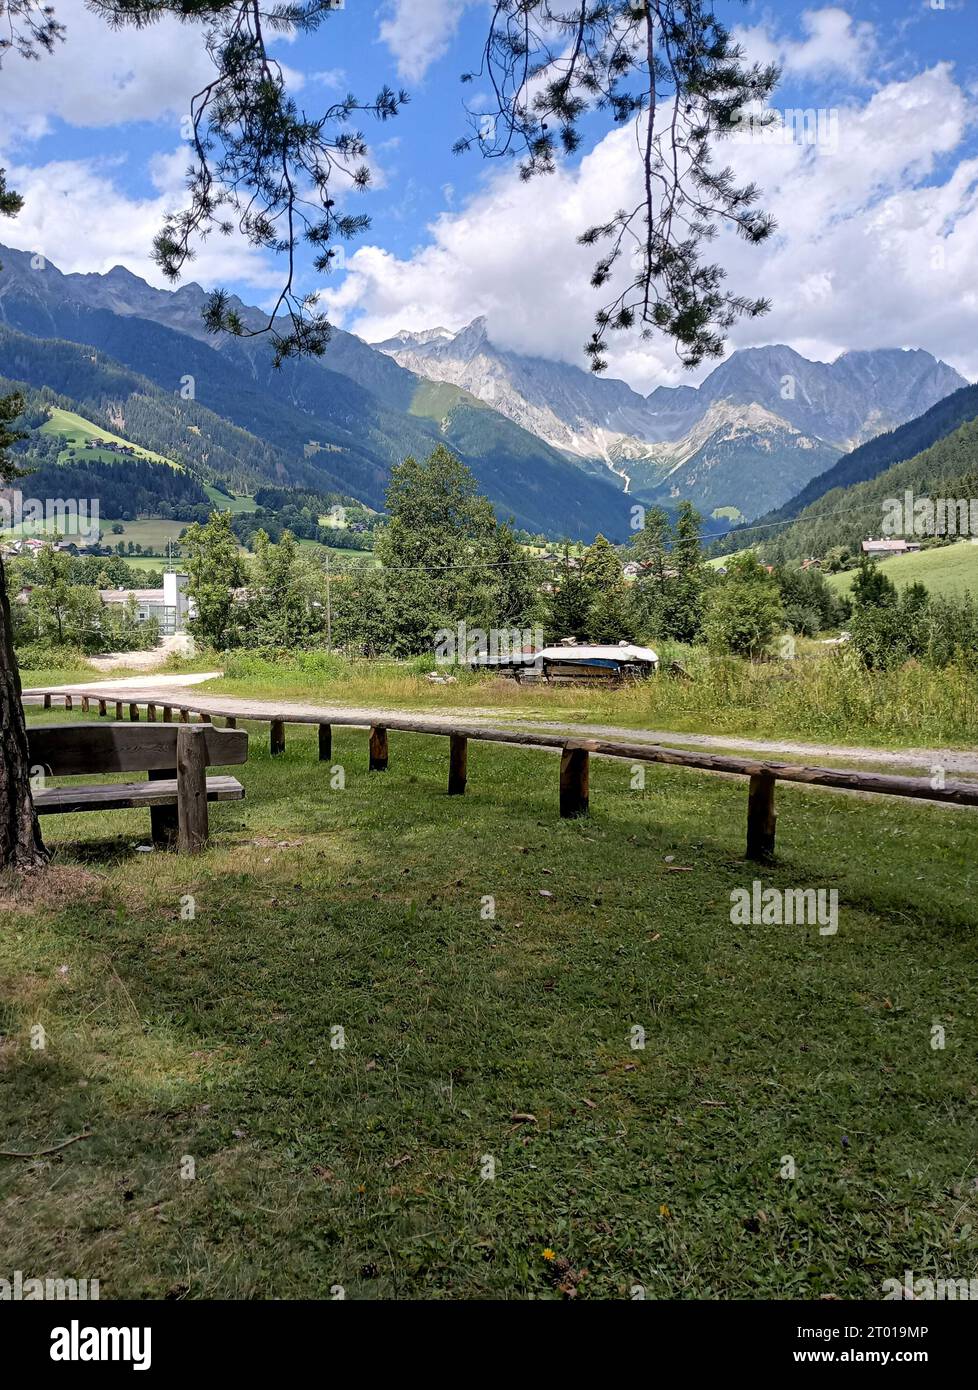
point(744, 612)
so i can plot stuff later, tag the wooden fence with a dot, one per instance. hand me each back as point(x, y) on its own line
point(762, 776)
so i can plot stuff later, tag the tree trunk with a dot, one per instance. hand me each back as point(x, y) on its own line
point(21, 846)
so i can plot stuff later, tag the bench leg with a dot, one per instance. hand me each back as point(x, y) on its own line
point(325, 743)
point(164, 821)
point(192, 789)
point(165, 826)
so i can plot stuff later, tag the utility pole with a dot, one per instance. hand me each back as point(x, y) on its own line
point(329, 606)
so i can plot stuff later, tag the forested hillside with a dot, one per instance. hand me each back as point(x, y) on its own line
point(876, 455)
point(845, 516)
point(115, 398)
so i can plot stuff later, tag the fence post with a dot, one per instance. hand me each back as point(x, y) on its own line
point(378, 748)
point(458, 764)
point(277, 737)
point(761, 816)
point(574, 775)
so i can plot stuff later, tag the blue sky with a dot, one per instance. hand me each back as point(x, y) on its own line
point(878, 234)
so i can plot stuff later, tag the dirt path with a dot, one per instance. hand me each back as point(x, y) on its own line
point(179, 690)
point(140, 661)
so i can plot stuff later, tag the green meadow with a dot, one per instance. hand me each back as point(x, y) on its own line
point(380, 1040)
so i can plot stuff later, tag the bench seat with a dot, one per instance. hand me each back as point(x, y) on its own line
point(124, 796)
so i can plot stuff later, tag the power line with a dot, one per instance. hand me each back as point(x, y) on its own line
point(795, 520)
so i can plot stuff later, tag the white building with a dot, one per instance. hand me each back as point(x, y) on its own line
point(172, 606)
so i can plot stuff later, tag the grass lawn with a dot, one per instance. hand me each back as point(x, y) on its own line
point(149, 562)
point(77, 430)
point(235, 505)
point(951, 570)
point(362, 908)
point(145, 532)
point(307, 544)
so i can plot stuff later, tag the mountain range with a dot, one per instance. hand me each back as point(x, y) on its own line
point(337, 423)
point(751, 435)
point(559, 450)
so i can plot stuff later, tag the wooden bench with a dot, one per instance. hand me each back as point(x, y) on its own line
point(176, 757)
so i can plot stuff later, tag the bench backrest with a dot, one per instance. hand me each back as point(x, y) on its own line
point(70, 750)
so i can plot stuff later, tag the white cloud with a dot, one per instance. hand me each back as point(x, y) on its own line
point(833, 42)
point(101, 76)
point(333, 79)
point(419, 32)
point(856, 260)
point(77, 217)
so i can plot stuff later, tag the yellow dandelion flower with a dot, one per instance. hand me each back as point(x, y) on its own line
point(549, 1254)
point(664, 1210)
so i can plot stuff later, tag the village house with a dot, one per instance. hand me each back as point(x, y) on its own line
point(31, 545)
point(891, 545)
point(111, 446)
